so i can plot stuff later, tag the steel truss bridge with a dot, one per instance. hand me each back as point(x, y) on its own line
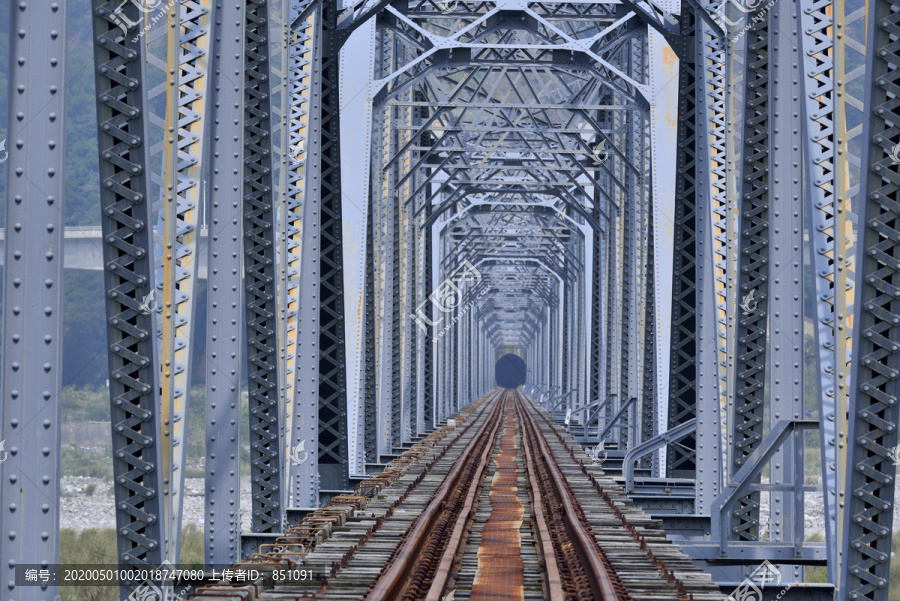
point(615, 191)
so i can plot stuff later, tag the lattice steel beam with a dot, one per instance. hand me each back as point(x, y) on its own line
point(186, 93)
point(681, 457)
point(333, 449)
point(874, 410)
point(260, 292)
point(753, 271)
point(128, 281)
point(829, 219)
point(305, 477)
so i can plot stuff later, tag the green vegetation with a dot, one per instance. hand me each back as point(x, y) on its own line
point(96, 547)
point(91, 404)
point(87, 463)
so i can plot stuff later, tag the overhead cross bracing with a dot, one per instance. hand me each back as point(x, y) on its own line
point(679, 216)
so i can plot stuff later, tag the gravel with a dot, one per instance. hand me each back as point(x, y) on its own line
point(80, 511)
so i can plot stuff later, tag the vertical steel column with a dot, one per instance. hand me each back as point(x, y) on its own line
point(826, 221)
point(222, 527)
point(380, 209)
point(397, 314)
point(615, 261)
point(260, 295)
point(334, 460)
point(370, 399)
point(305, 478)
point(128, 281)
point(636, 238)
point(681, 457)
point(709, 195)
point(648, 393)
point(595, 393)
point(416, 349)
point(188, 44)
point(429, 348)
point(172, 401)
point(868, 516)
point(294, 71)
point(785, 305)
point(602, 308)
point(301, 199)
point(454, 370)
point(753, 270)
point(32, 293)
point(849, 112)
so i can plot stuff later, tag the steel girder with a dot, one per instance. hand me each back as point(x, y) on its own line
point(428, 375)
point(260, 293)
point(183, 81)
point(785, 302)
point(648, 395)
point(291, 68)
point(872, 434)
point(304, 166)
point(698, 267)
point(830, 194)
point(128, 281)
point(222, 527)
point(753, 269)
point(32, 294)
point(681, 456)
point(333, 450)
point(711, 231)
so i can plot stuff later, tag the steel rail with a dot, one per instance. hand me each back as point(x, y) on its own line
point(439, 583)
point(292, 548)
point(675, 582)
point(602, 578)
point(394, 580)
point(554, 583)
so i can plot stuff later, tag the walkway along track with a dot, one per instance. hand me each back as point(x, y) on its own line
point(502, 508)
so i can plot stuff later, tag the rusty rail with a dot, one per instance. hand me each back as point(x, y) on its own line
point(412, 566)
point(591, 576)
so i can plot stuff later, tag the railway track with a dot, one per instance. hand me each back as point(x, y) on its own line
point(505, 506)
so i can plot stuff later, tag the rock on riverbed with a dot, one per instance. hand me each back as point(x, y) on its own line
point(80, 511)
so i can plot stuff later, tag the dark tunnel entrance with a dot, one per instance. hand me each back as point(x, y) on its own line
point(509, 371)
